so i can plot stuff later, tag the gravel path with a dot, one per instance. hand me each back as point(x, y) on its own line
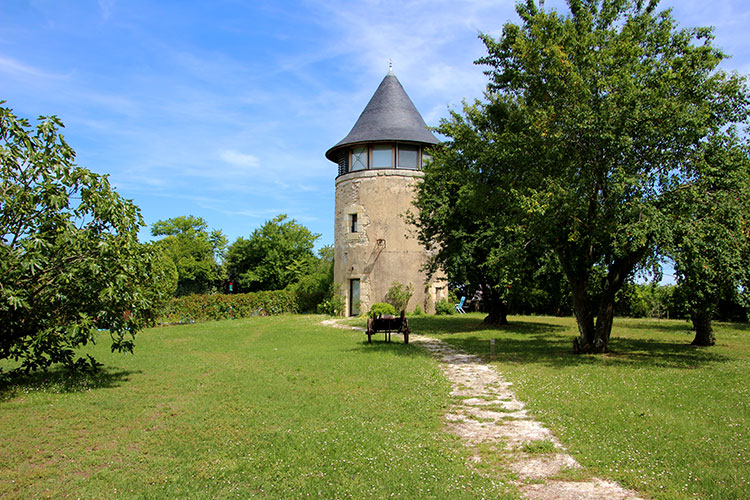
point(488, 414)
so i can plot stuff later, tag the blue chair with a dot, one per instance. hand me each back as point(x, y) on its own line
point(460, 306)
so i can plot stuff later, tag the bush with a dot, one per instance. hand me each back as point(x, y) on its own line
point(442, 306)
point(196, 308)
point(311, 290)
point(418, 311)
point(398, 295)
point(332, 306)
point(381, 308)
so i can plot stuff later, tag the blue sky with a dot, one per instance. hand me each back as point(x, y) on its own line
point(224, 109)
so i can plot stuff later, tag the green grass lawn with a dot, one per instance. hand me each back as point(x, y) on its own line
point(258, 408)
point(285, 408)
point(657, 415)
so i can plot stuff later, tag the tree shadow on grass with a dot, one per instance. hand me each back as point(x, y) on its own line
point(395, 346)
point(60, 381)
point(556, 351)
point(437, 325)
point(540, 342)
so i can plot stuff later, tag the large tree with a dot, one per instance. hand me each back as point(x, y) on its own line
point(70, 260)
point(195, 251)
point(275, 255)
point(711, 245)
point(466, 220)
point(590, 118)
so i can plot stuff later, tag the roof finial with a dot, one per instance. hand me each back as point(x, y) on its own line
point(390, 65)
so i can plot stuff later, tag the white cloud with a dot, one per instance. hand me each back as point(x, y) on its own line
point(106, 7)
point(239, 159)
point(20, 70)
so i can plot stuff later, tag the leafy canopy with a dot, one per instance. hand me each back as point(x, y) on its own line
point(711, 239)
point(70, 260)
point(275, 255)
point(195, 251)
point(589, 123)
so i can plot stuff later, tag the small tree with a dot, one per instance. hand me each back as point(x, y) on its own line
point(195, 251)
point(70, 260)
point(316, 287)
point(711, 240)
point(276, 255)
point(398, 295)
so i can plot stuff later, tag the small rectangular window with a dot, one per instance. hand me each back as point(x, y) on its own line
point(353, 223)
point(359, 158)
point(408, 157)
point(382, 156)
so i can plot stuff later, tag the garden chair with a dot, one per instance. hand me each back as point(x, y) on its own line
point(460, 306)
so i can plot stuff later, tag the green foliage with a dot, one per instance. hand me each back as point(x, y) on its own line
point(418, 311)
point(398, 295)
point(275, 256)
point(711, 240)
point(647, 301)
point(589, 126)
point(317, 287)
point(475, 245)
point(380, 309)
point(195, 251)
point(443, 306)
point(198, 308)
point(70, 260)
point(333, 304)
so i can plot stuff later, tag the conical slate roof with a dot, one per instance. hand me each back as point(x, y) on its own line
point(389, 116)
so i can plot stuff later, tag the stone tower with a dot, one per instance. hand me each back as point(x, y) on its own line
point(379, 164)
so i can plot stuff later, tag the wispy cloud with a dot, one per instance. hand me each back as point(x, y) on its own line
point(17, 69)
point(106, 7)
point(239, 159)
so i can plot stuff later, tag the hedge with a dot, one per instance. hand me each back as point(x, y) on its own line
point(196, 308)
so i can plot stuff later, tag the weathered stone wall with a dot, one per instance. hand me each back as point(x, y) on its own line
point(384, 249)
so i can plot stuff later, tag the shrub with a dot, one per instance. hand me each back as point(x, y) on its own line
point(332, 306)
point(381, 308)
point(398, 295)
point(418, 311)
point(311, 290)
point(442, 306)
point(196, 308)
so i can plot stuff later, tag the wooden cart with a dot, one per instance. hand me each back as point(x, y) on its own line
point(388, 324)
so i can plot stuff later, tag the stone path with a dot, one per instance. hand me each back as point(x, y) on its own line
point(487, 415)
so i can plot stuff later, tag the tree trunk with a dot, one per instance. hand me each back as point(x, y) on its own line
point(497, 308)
point(604, 320)
point(704, 333)
point(584, 317)
point(594, 338)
